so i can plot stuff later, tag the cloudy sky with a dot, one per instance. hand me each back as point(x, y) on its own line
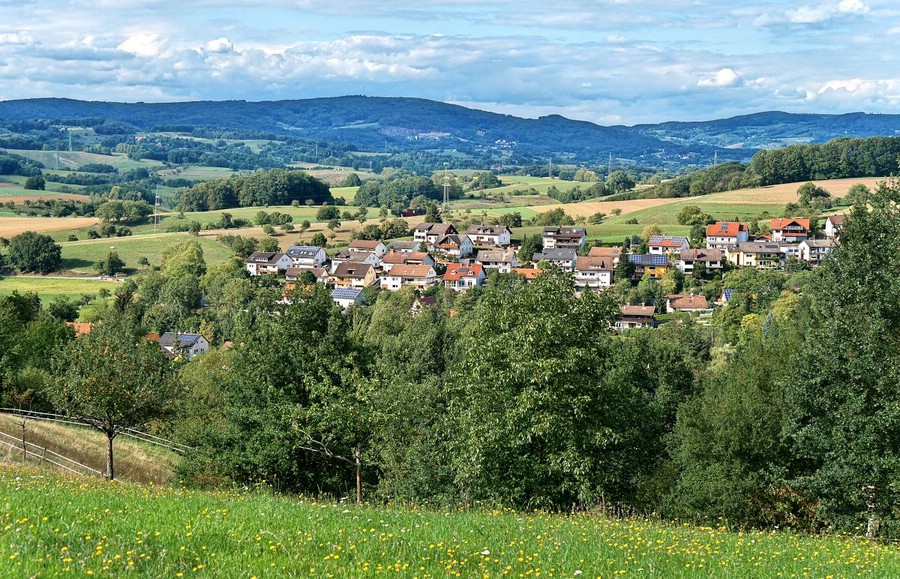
point(606, 61)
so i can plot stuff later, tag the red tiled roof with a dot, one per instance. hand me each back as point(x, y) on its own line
point(366, 244)
point(456, 271)
point(406, 270)
point(80, 328)
point(782, 222)
point(528, 273)
point(609, 252)
point(687, 302)
point(725, 229)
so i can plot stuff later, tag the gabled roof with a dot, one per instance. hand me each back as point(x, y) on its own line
point(399, 257)
point(184, 340)
point(563, 254)
point(452, 240)
point(707, 255)
point(818, 242)
point(264, 257)
point(565, 232)
point(687, 301)
point(81, 328)
point(484, 229)
point(782, 222)
point(353, 269)
point(529, 273)
point(836, 220)
point(365, 244)
point(458, 271)
point(401, 245)
point(354, 256)
point(588, 263)
point(303, 251)
point(496, 256)
point(648, 259)
point(754, 247)
point(346, 293)
point(436, 228)
point(293, 272)
point(407, 270)
point(668, 241)
point(637, 311)
point(725, 229)
point(610, 252)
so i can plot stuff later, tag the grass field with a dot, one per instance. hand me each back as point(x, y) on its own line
point(10, 226)
point(53, 525)
point(80, 256)
point(75, 159)
point(49, 287)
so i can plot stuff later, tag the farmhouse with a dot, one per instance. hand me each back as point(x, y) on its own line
point(493, 235)
point(563, 237)
point(307, 256)
point(725, 234)
point(462, 277)
point(267, 262)
point(403, 275)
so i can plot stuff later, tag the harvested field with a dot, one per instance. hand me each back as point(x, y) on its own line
point(787, 192)
point(45, 196)
point(588, 208)
point(10, 226)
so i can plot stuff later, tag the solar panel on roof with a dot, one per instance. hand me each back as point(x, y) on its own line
point(345, 293)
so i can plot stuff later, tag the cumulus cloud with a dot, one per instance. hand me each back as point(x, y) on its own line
point(144, 45)
point(218, 46)
point(814, 13)
point(725, 77)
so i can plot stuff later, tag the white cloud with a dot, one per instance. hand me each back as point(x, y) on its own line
point(853, 7)
point(726, 77)
point(218, 46)
point(145, 45)
point(814, 13)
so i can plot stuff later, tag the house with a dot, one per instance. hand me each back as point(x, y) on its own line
point(455, 245)
point(175, 344)
point(635, 317)
point(725, 297)
point(758, 255)
point(429, 233)
point(689, 259)
point(405, 246)
point(404, 275)
point(461, 277)
point(307, 255)
point(725, 234)
point(502, 261)
point(833, 226)
point(813, 251)
point(366, 257)
point(646, 264)
point(493, 235)
point(267, 262)
point(663, 244)
point(530, 274)
point(790, 250)
point(594, 272)
point(347, 296)
point(563, 237)
point(686, 303)
point(421, 303)
point(393, 258)
point(367, 246)
point(293, 274)
point(612, 253)
point(81, 328)
point(353, 274)
point(790, 230)
point(562, 258)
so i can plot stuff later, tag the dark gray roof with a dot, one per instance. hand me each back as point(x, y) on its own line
point(303, 251)
point(564, 254)
point(184, 340)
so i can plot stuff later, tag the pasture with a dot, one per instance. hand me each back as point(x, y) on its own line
point(52, 525)
point(79, 257)
point(74, 159)
point(50, 287)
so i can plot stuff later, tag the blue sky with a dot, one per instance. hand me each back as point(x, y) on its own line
point(605, 61)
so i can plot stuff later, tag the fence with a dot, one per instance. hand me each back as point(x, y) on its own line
point(43, 454)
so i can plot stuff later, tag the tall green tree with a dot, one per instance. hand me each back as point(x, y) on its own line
point(34, 252)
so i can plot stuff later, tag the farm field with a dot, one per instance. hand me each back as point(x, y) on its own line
point(75, 159)
point(51, 287)
point(53, 525)
point(80, 256)
point(10, 226)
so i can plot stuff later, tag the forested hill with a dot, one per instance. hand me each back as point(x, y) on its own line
point(409, 124)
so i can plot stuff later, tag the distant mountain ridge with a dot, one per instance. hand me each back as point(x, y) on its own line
point(402, 123)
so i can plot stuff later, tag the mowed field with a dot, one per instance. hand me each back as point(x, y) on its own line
point(51, 287)
point(10, 226)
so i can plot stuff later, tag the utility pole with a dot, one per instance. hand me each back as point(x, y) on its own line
point(156, 210)
point(446, 189)
point(550, 168)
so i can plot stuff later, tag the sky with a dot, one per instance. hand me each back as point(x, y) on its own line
point(605, 61)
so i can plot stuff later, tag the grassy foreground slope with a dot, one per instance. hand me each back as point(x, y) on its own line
point(51, 525)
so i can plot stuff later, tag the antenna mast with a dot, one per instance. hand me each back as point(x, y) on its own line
point(446, 189)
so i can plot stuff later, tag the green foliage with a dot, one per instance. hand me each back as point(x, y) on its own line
point(327, 213)
point(351, 180)
point(484, 180)
point(183, 259)
point(111, 264)
point(274, 187)
point(34, 252)
point(128, 212)
point(531, 244)
point(319, 240)
point(553, 217)
point(693, 215)
point(808, 192)
point(35, 183)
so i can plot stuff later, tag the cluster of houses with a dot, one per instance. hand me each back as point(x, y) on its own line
point(465, 259)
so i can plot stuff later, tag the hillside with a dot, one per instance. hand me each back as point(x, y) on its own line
point(59, 525)
point(409, 124)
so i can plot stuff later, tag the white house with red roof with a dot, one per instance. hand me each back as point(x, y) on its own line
point(663, 244)
point(462, 277)
point(725, 234)
point(789, 230)
point(368, 246)
point(405, 275)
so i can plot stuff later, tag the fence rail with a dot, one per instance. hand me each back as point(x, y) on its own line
point(129, 432)
point(42, 453)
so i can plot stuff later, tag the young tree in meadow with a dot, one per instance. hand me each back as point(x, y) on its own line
point(112, 379)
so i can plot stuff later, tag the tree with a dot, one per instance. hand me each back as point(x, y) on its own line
point(112, 379)
point(111, 264)
point(144, 262)
point(649, 231)
point(268, 244)
point(619, 181)
point(327, 213)
point(268, 229)
point(35, 183)
point(318, 240)
point(808, 192)
point(34, 252)
point(351, 180)
point(531, 244)
point(433, 214)
point(596, 218)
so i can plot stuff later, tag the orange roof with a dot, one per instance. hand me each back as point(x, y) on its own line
point(406, 270)
point(781, 223)
point(152, 336)
point(529, 273)
point(456, 271)
point(80, 328)
point(367, 244)
point(725, 229)
point(605, 251)
point(394, 257)
point(638, 311)
point(687, 302)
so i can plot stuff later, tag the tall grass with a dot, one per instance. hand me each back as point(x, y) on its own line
point(50, 525)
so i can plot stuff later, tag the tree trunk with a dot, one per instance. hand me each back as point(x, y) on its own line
point(358, 476)
point(110, 472)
